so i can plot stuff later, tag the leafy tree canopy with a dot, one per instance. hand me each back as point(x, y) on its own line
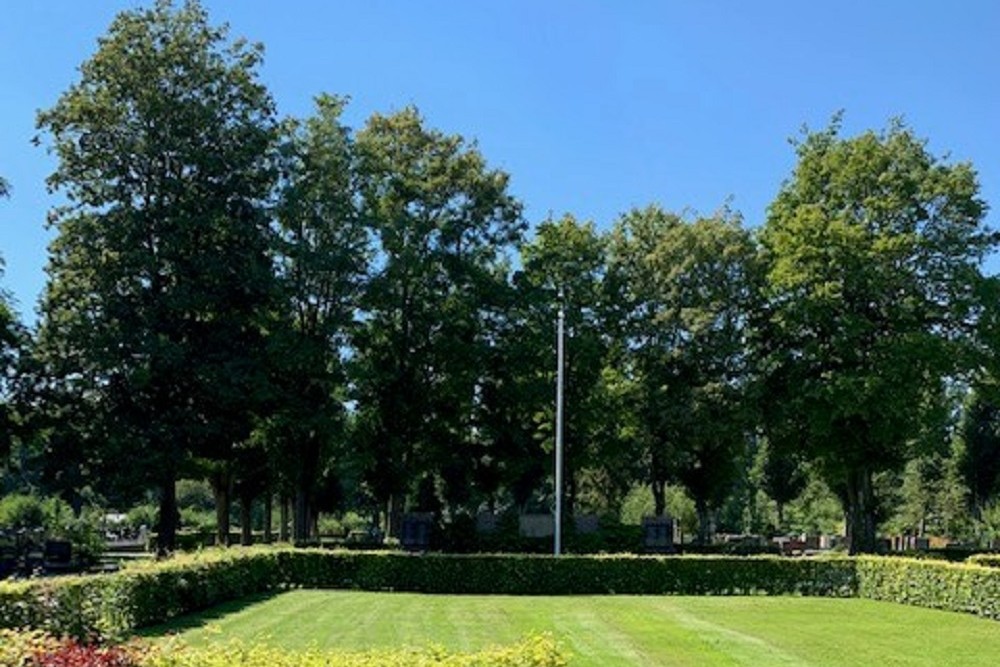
point(873, 249)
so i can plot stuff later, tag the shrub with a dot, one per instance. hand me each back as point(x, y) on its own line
point(18, 648)
point(537, 651)
point(955, 587)
point(568, 575)
point(28, 511)
point(35, 648)
point(986, 560)
point(38, 649)
point(72, 654)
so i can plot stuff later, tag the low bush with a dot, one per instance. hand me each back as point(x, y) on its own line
point(966, 588)
point(102, 607)
point(38, 649)
point(986, 560)
point(537, 651)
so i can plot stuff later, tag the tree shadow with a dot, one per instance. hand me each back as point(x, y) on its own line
point(203, 618)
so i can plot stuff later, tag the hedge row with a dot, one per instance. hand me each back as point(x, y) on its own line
point(568, 575)
point(38, 649)
point(112, 606)
point(968, 588)
point(986, 560)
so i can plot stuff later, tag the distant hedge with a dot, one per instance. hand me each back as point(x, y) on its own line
point(112, 606)
point(986, 560)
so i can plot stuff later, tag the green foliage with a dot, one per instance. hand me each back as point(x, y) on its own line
point(678, 505)
point(56, 518)
point(979, 461)
point(27, 511)
point(151, 336)
point(986, 560)
point(564, 266)
point(688, 288)
point(872, 250)
point(816, 511)
point(443, 224)
point(39, 649)
point(142, 515)
point(322, 260)
point(956, 587)
point(195, 494)
point(13, 342)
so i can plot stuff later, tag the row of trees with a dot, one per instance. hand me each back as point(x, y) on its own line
point(292, 308)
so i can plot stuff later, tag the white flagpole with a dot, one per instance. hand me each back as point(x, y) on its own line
point(559, 426)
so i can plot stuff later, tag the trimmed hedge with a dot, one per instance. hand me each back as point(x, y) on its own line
point(968, 588)
point(112, 606)
point(537, 651)
point(986, 560)
point(568, 575)
point(38, 649)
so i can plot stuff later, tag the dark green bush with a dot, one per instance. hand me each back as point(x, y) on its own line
point(568, 575)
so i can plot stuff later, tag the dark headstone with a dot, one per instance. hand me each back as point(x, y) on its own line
point(415, 533)
point(658, 534)
point(536, 525)
point(486, 522)
point(57, 555)
point(586, 523)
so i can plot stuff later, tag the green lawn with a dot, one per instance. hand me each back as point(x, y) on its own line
point(616, 630)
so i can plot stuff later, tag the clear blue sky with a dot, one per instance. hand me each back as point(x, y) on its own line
point(593, 106)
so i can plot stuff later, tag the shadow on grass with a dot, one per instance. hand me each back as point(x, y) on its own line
point(203, 618)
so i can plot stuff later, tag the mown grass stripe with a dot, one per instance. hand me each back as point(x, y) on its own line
point(628, 630)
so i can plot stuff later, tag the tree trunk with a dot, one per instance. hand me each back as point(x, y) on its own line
point(393, 517)
point(268, 516)
point(860, 512)
point(166, 538)
point(569, 504)
point(301, 520)
point(705, 527)
point(222, 489)
point(659, 488)
point(246, 530)
point(283, 518)
point(781, 517)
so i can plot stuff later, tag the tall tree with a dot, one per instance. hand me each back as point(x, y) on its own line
point(443, 223)
point(692, 286)
point(160, 268)
point(873, 249)
point(564, 265)
point(324, 250)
